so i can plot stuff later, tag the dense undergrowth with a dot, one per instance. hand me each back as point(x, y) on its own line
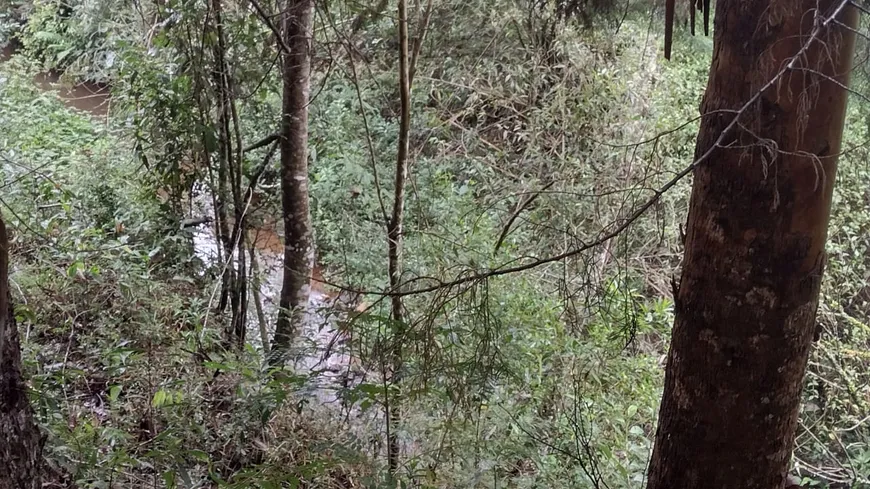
point(546, 378)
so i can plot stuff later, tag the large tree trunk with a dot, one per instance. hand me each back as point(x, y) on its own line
point(298, 242)
point(20, 443)
point(758, 219)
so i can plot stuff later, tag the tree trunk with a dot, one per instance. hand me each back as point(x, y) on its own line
point(20, 443)
point(298, 241)
point(230, 173)
point(258, 300)
point(228, 285)
point(758, 219)
point(395, 236)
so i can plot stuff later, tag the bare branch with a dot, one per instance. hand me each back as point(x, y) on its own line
point(271, 25)
point(401, 290)
point(520, 208)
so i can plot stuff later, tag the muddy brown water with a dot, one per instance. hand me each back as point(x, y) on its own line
point(93, 98)
point(321, 350)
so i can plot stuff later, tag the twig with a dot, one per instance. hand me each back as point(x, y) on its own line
point(507, 227)
point(402, 291)
point(418, 42)
point(195, 221)
point(271, 25)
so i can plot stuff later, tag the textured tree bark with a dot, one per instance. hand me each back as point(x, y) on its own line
point(20, 442)
point(298, 240)
point(758, 218)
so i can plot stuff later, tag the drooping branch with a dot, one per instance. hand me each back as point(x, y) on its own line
point(403, 290)
point(261, 13)
point(263, 142)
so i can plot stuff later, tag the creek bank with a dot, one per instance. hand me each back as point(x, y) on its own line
point(322, 352)
point(89, 97)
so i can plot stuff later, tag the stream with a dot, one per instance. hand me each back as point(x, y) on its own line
point(90, 97)
point(321, 352)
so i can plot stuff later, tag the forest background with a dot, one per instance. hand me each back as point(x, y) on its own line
point(536, 128)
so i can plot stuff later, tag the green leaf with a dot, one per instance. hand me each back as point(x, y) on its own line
point(199, 455)
point(114, 392)
point(216, 366)
point(169, 478)
point(24, 314)
point(74, 268)
point(159, 398)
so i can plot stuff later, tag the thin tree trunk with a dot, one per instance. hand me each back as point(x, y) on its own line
point(758, 219)
point(20, 442)
point(298, 240)
point(225, 151)
point(223, 227)
point(394, 241)
point(258, 301)
point(240, 202)
point(231, 161)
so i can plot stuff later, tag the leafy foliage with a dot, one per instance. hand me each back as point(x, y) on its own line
point(550, 377)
